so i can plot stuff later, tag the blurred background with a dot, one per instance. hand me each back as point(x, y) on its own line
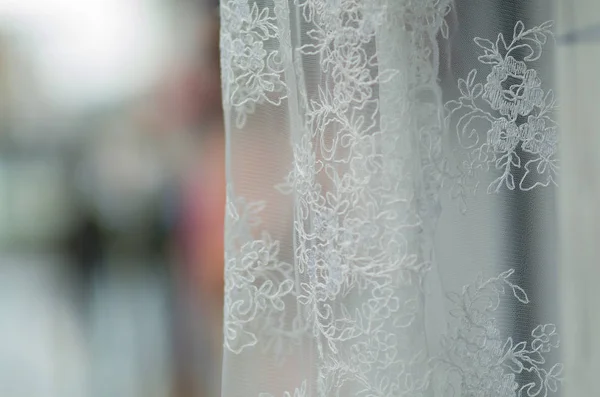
point(111, 198)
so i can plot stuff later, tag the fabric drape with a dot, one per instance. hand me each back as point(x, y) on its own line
point(391, 226)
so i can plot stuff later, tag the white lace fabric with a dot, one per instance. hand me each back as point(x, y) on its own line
point(370, 189)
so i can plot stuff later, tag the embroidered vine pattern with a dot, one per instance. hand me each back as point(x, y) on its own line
point(251, 71)
point(256, 281)
point(513, 109)
point(478, 361)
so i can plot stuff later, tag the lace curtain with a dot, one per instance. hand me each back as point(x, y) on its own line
point(391, 224)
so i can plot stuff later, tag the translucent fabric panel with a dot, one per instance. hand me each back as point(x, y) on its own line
point(391, 226)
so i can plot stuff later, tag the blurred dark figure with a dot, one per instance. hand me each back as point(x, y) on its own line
point(85, 250)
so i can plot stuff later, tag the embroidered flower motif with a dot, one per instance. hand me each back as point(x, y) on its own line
point(539, 139)
point(546, 338)
point(478, 362)
point(513, 108)
point(503, 136)
point(512, 89)
point(251, 74)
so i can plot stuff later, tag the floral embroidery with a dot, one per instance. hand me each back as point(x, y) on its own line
point(354, 212)
point(251, 73)
point(514, 109)
point(368, 168)
point(479, 362)
point(256, 280)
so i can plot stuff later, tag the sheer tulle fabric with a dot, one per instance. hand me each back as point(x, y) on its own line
point(390, 227)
